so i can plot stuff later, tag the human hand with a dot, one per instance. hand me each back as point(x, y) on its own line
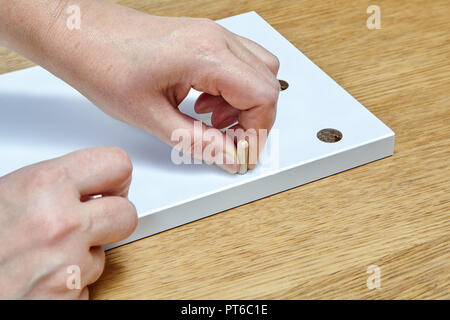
point(138, 68)
point(49, 221)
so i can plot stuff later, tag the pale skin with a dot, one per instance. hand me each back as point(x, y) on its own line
point(136, 68)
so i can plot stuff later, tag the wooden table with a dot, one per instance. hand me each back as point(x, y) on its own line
point(317, 240)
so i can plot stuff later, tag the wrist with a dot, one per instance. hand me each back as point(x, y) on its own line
point(29, 24)
point(46, 32)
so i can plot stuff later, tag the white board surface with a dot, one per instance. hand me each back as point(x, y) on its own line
point(41, 117)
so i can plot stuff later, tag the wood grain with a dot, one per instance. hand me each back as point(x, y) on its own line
point(317, 240)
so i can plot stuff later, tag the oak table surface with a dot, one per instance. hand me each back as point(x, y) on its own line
point(317, 240)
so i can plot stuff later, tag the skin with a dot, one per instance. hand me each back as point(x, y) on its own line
point(49, 221)
point(136, 68)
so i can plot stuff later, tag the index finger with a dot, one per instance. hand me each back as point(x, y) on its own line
point(242, 87)
point(99, 171)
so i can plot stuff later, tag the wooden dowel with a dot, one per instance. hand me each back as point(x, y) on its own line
point(242, 153)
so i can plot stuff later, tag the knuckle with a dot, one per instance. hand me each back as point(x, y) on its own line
point(211, 40)
point(205, 20)
point(50, 214)
point(47, 175)
point(274, 63)
point(120, 158)
point(59, 225)
point(207, 23)
point(209, 49)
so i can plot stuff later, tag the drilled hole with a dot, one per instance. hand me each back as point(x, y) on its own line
point(329, 135)
point(283, 84)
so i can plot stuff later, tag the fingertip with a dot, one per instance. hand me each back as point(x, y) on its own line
point(99, 170)
point(230, 168)
point(121, 159)
point(131, 219)
point(229, 163)
point(111, 219)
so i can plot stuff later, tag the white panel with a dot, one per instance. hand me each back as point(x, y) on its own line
point(41, 117)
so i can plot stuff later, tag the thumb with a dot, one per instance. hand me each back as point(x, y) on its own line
point(196, 140)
